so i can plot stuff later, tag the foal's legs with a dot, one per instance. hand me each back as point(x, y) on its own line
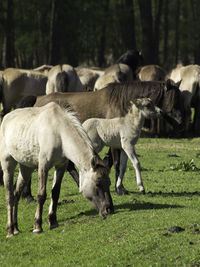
point(130, 151)
point(42, 181)
point(119, 188)
point(23, 177)
point(55, 192)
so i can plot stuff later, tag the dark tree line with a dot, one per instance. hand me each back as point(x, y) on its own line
point(95, 33)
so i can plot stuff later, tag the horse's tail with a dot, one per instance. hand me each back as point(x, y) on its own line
point(27, 101)
point(62, 82)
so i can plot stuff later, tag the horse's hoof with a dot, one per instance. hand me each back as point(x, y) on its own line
point(52, 226)
point(9, 235)
point(143, 192)
point(122, 191)
point(37, 231)
point(17, 231)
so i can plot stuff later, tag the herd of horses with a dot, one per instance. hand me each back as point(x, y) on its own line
point(63, 116)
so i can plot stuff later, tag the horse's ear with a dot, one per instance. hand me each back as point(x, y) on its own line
point(169, 84)
point(178, 83)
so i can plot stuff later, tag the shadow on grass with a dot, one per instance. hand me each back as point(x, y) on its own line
point(138, 205)
point(142, 205)
point(168, 194)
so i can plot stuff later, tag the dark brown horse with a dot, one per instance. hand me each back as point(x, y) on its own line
point(114, 100)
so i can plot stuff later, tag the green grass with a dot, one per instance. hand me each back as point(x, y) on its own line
point(136, 235)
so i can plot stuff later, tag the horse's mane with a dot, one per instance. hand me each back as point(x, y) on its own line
point(120, 94)
point(72, 116)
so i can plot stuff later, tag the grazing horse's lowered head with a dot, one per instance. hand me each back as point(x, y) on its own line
point(96, 189)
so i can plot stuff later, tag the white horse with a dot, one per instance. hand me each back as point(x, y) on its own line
point(123, 133)
point(43, 137)
point(189, 78)
point(63, 78)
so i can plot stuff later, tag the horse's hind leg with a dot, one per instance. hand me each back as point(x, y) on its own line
point(120, 189)
point(26, 193)
point(42, 181)
point(130, 151)
point(23, 177)
point(55, 192)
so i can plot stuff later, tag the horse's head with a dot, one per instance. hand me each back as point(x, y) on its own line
point(94, 185)
point(172, 100)
point(146, 107)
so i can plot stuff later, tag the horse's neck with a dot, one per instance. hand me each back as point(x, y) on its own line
point(78, 149)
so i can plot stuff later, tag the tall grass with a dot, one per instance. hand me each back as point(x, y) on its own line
point(136, 235)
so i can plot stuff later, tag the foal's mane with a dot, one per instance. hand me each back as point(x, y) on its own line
point(120, 94)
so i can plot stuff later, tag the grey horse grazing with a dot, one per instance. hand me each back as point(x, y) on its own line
point(63, 78)
point(123, 133)
point(43, 137)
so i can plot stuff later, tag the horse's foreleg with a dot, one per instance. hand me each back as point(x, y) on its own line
point(1, 176)
point(130, 151)
point(55, 192)
point(42, 180)
point(8, 174)
point(23, 177)
point(73, 172)
point(120, 189)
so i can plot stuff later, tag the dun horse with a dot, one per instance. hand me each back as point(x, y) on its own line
point(42, 138)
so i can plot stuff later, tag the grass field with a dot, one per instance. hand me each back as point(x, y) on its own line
point(136, 235)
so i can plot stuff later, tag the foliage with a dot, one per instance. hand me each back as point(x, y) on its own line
point(97, 32)
point(138, 234)
point(184, 166)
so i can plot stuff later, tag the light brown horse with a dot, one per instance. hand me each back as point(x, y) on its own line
point(114, 100)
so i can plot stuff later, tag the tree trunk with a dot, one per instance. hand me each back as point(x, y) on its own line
point(166, 30)
point(54, 45)
point(127, 22)
point(159, 5)
point(147, 31)
point(177, 33)
point(8, 53)
point(101, 50)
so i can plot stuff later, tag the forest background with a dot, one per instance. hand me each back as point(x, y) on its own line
point(96, 33)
